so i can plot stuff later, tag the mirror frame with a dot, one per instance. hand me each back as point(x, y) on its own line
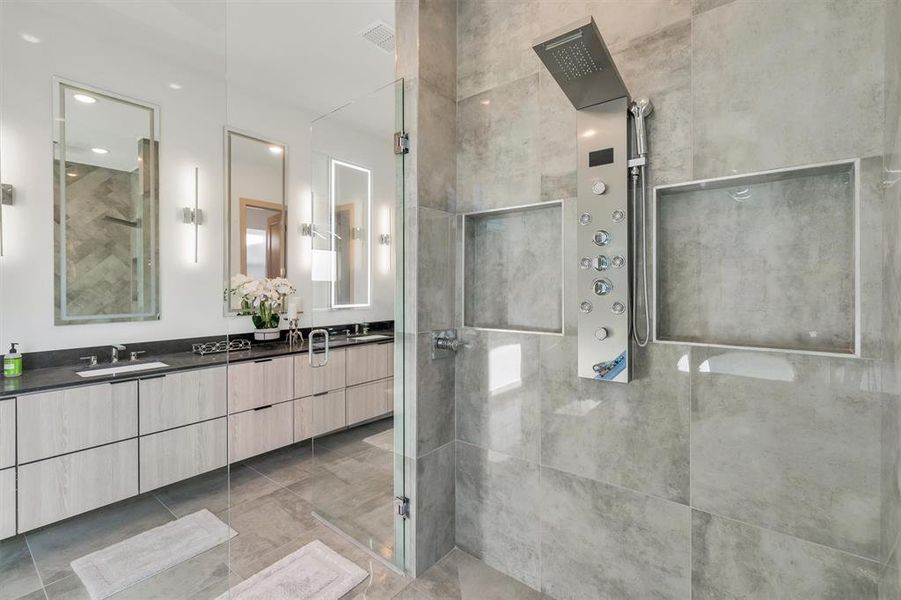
point(59, 202)
point(227, 132)
point(332, 162)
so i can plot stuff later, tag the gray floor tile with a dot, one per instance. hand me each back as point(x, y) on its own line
point(55, 546)
point(285, 466)
point(18, 576)
point(459, 576)
point(215, 491)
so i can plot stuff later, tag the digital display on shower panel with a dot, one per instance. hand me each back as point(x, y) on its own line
point(603, 293)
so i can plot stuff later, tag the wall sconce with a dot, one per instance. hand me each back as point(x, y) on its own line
point(7, 197)
point(194, 216)
point(385, 239)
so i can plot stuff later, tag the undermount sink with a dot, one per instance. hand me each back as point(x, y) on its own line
point(369, 338)
point(121, 369)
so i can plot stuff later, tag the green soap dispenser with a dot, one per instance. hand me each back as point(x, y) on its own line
point(12, 362)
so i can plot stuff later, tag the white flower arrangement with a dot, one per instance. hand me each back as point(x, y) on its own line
point(261, 298)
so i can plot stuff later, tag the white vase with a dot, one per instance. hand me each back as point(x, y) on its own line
point(266, 335)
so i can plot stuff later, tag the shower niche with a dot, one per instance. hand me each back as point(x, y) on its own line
point(765, 260)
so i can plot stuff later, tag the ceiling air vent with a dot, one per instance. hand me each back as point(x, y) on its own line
point(380, 34)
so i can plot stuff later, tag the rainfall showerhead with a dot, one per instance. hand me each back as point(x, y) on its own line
point(579, 61)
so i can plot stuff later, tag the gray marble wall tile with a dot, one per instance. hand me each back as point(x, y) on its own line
point(735, 560)
point(436, 148)
point(892, 143)
point(769, 92)
point(494, 43)
point(498, 148)
point(890, 578)
point(434, 398)
point(634, 436)
point(512, 270)
point(601, 541)
point(435, 505)
point(557, 132)
point(789, 442)
point(434, 269)
point(438, 45)
point(497, 392)
point(497, 517)
point(406, 40)
point(891, 474)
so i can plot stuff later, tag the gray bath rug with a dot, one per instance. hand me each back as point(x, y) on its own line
point(122, 565)
point(315, 572)
point(383, 440)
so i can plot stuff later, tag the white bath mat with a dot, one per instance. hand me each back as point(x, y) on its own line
point(383, 440)
point(315, 572)
point(122, 565)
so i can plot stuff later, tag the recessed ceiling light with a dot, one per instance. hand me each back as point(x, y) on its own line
point(175, 86)
point(31, 39)
point(85, 98)
point(99, 150)
point(71, 174)
point(588, 133)
point(485, 102)
point(275, 149)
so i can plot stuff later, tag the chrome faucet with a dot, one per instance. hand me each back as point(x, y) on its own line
point(115, 352)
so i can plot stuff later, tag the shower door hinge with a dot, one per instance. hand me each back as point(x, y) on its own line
point(401, 142)
point(402, 507)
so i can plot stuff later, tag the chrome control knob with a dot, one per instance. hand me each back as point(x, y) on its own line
point(586, 306)
point(601, 333)
point(601, 237)
point(585, 263)
point(598, 187)
point(618, 262)
point(584, 219)
point(601, 263)
point(602, 287)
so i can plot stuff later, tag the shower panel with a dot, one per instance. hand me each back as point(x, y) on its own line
point(579, 61)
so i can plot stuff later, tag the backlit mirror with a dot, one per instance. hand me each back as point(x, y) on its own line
point(106, 182)
point(350, 200)
point(257, 213)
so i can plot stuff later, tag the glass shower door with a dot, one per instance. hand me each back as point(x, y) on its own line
point(356, 411)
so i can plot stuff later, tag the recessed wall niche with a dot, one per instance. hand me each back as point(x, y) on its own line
point(765, 260)
point(512, 269)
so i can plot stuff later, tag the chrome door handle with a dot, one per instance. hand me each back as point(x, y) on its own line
point(310, 339)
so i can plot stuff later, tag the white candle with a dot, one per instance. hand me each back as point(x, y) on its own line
point(293, 304)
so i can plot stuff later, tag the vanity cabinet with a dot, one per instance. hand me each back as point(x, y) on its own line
point(316, 415)
point(262, 382)
point(182, 453)
point(7, 433)
point(366, 401)
point(177, 399)
point(368, 363)
point(333, 375)
point(260, 430)
point(62, 421)
point(7, 503)
point(58, 488)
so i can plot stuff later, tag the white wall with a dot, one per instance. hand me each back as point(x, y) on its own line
point(117, 56)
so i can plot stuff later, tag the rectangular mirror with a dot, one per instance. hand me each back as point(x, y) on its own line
point(350, 201)
point(106, 182)
point(257, 212)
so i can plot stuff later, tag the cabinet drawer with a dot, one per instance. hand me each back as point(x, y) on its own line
point(57, 488)
point(320, 414)
point(260, 430)
point(366, 401)
point(332, 376)
point(303, 375)
point(7, 503)
point(62, 421)
point(7, 433)
point(182, 398)
point(181, 453)
point(260, 383)
point(367, 363)
point(389, 395)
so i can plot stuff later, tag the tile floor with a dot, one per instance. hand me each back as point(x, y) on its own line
point(272, 498)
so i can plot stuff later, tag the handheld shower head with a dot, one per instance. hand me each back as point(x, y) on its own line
point(640, 109)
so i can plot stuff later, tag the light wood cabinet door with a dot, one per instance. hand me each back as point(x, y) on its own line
point(7, 433)
point(303, 376)
point(261, 382)
point(366, 401)
point(316, 415)
point(54, 423)
point(7, 503)
point(260, 430)
point(332, 376)
point(61, 487)
point(178, 399)
point(181, 453)
point(390, 348)
point(367, 363)
point(389, 395)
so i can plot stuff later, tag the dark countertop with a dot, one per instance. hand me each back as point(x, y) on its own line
point(49, 378)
